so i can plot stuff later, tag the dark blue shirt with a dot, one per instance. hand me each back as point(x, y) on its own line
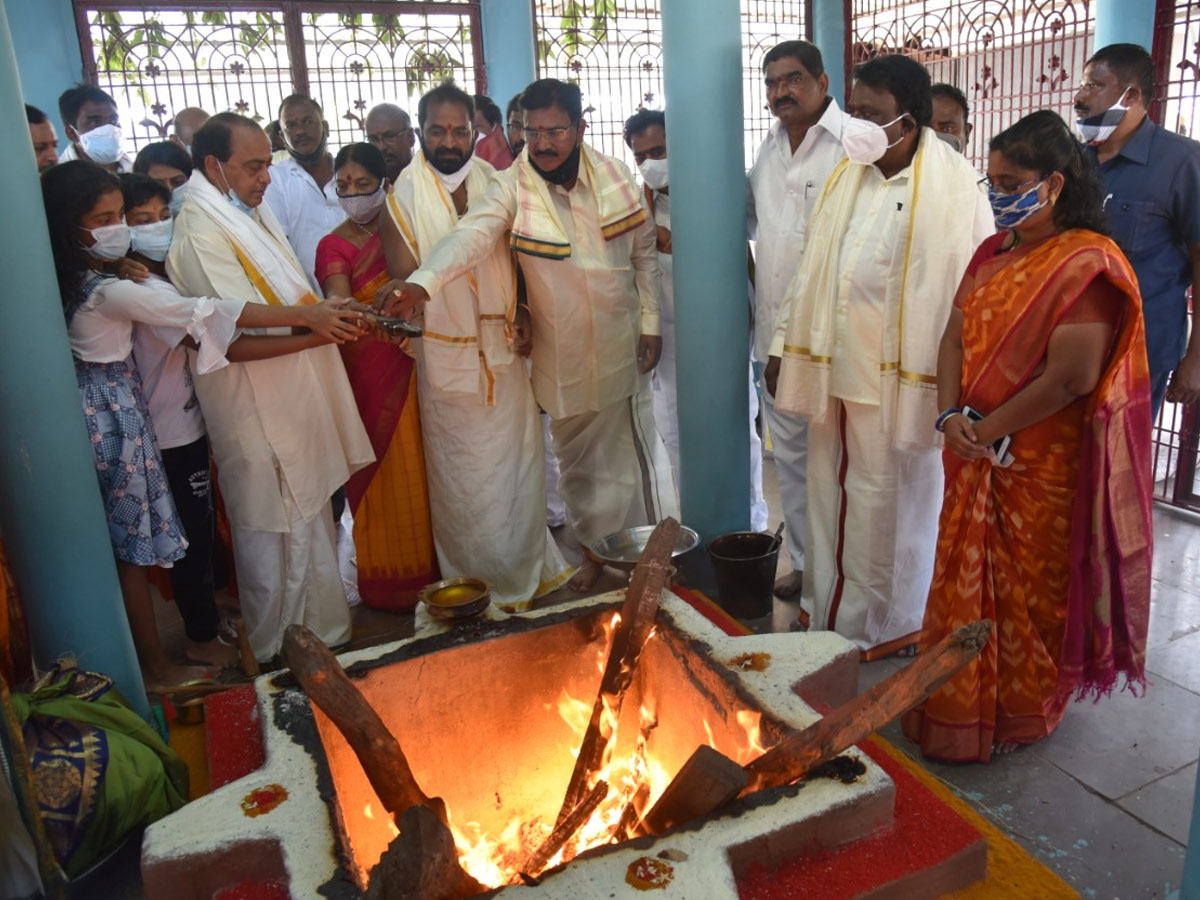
point(1152, 201)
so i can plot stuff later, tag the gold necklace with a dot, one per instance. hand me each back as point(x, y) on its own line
point(363, 228)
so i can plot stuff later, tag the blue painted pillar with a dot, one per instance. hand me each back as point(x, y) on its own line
point(47, 48)
point(829, 34)
point(51, 516)
point(1124, 22)
point(702, 55)
point(1189, 888)
point(508, 47)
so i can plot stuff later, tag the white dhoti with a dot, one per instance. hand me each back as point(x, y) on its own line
point(872, 529)
point(789, 445)
point(291, 578)
point(614, 470)
point(487, 487)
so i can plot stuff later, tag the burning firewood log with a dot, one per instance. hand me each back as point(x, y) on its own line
point(710, 780)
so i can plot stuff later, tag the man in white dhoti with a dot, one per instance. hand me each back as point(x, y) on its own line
point(586, 248)
point(479, 421)
point(796, 157)
point(855, 352)
point(285, 432)
point(646, 135)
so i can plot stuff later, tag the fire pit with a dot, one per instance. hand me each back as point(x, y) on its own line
point(490, 714)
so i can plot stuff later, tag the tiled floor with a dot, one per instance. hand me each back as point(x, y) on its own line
point(1105, 801)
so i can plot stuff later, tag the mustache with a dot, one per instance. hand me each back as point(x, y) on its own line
point(784, 101)
point(448, 153)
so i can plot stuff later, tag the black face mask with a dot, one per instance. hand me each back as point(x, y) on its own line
point(313, 158)
point(567, 170)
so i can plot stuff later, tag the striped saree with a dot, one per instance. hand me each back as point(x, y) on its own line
point(1055, 549)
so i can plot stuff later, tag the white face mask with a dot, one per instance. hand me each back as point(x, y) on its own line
point(112, 241)
point(654, 173)
point(152, 240)
point(1095, 130)
point(865, 142)
point(451, 180)
point(362, 208)
point(178, 195)
point(104, 145)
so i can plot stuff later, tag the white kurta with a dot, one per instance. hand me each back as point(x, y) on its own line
point(285, 434)
point(124, 164)
point(483, 461)
point(588, 312)
point(306, 211)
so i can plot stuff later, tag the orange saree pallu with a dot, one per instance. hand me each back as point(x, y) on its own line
point(393, 533)
point(1056, 548)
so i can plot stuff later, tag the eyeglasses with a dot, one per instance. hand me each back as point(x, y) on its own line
point(533, 135)
point(386, 137)
point(1000, 189)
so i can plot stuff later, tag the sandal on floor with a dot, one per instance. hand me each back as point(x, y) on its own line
point(186, 691)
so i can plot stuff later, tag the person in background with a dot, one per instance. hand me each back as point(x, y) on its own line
point(951, 116)
point(1152, 200)
point(184, 126)
point(389, 130)
point(168, 164)
point(274, 132)
point(301, 193)
point(285, 432)
point(795, 159)
point(646, 135)
point(389, 499)
point(93, 127)
point(585, 244)
point(491, 144)
point(45, 141)
point(855, 352)
point(1045, 341)
point(515, 131)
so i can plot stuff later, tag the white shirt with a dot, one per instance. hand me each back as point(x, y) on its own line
point(871, 260)
point(588, 310)
point(784, 187)
point(167, 382)
point(101, 330)
point(306, 211)
point(124, 164)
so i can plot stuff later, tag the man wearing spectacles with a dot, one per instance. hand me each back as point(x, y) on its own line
point(586, 246)
point(515, 120)
point(389, 130)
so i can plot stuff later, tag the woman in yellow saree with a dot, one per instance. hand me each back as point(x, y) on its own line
point(389, 499)
point(1046, 342)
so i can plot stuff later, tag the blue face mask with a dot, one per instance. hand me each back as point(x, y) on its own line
point(1011, 210)
point(232, 197)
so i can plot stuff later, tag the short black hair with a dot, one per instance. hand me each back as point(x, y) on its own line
point(298, 98)
point(514, 105)
point(547, 92)
point(905, 79)
point(366, 155)
point(802, 51)
point(72, 99)
point(215, 137)
point(446, 92)
point(950, 92)
point(490, 110)
point(1132, 64)
point(139, 189)
point(641, 120)
point(34, 115)
point(163, 153)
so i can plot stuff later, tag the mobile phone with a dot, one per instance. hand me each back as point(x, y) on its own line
point(999, 449)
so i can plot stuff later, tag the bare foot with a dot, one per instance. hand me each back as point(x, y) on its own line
point(585, 579)
point(789, 585)
point(215, 653)
point(1004, 747)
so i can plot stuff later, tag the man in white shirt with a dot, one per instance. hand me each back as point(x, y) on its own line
point(646, 135)
point(802, 148)
point(302, 194)
point(93, 126)
point(855, 352)
point(586, 247)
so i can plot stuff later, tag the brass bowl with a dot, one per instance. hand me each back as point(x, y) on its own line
point(456, 598)
point(623, 549)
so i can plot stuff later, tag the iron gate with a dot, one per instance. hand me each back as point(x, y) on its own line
point(247, 56)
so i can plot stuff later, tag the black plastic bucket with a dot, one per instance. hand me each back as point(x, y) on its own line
point(744, 564)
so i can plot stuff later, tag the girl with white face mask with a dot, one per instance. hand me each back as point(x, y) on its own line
point(85, 214)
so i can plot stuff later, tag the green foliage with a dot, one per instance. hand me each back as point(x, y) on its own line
point(581, 28)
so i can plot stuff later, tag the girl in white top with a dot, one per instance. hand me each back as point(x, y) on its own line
point(84, 210)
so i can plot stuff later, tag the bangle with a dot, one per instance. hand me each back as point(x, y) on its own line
point(940, 424)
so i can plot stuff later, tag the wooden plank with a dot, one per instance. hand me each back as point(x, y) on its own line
point(707, 781)
point(421, 863)
point(563, 832)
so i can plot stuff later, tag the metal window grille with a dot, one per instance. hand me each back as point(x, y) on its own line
point(613, 50)
point(1009, 59)
point(247, 56)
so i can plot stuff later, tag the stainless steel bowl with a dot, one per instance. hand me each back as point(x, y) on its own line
point(623, 549)
point(456, 598)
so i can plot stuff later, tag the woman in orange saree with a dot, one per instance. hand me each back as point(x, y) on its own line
point(389, 499)
point(1046, 341)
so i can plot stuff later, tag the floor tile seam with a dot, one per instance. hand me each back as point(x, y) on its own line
point(1170, 681)
point(1155, 780)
